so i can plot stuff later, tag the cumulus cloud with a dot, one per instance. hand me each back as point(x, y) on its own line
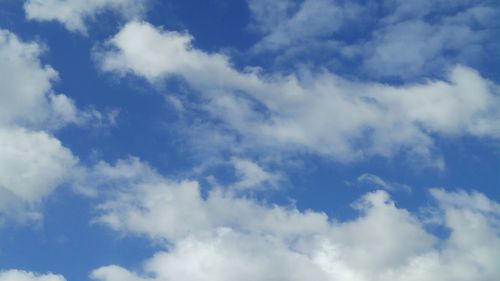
point(137, 192)
point(74, 14)
point(218, 234)
point(27, 97)
point(33, 163)
point(223, 237)
point(317, 112)
point(20, 275)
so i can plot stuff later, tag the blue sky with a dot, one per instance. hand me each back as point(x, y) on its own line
point(249, 140)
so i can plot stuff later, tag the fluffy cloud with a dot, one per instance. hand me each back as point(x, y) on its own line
point(19, 275)
point(26, 96)
point(32, 161)
point(32, 165)
point(223, 237)
point(137, 193)
point(218, 234)
point(141, 49)
point(74, 14)
point(316, 112)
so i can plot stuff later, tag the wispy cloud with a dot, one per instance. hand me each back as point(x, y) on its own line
point(321, 112)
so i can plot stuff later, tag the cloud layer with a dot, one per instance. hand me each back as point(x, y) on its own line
point(378, 39)
point(220, 226)
point(223, 237)
point(315, 112)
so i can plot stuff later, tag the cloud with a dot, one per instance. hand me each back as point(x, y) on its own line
point(20, 275)
point(217, 233)
point(141, 49)
point(32, 165)
point(136, 193)
point(74, 14)
point(400, 10)
point(27, 96)
point(224, 237)
point(383, 39)
point(317, 112)
point(252, 176)
point(399, 50)
point(376, 182)
point(33, 162)
point(291, 23)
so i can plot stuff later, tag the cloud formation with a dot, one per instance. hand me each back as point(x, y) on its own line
point(20, 275)
point(223, 237)
point(75, 14)
point(33, 162)
point(211, 230)
point(380, 39)
point(317, 112)
point(27, 97)
point(32, 165)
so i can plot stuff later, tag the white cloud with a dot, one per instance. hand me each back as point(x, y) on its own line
point(252, 176)
point(33, 163)
point(155, 54)
point(74, 14)
point(223, 256)
point(222, 237)
point(315, 112)
point(20, 275)
point(375, 181)
point(26, 96)
point(137, 193)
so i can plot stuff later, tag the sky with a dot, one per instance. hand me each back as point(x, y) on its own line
point(259, 140)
